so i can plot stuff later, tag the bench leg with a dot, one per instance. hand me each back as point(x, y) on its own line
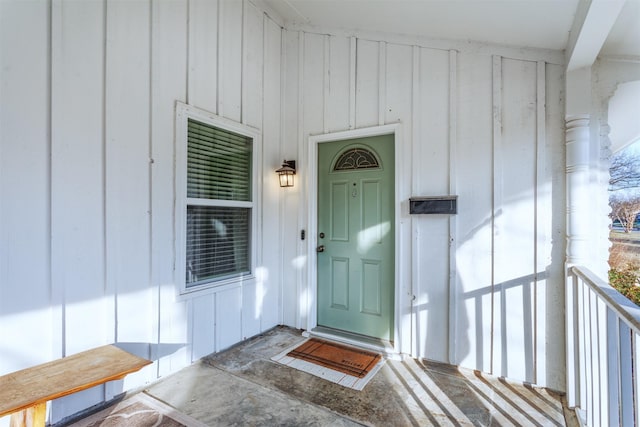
point(34, 416)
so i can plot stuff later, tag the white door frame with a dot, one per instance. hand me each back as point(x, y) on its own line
point(312, 241)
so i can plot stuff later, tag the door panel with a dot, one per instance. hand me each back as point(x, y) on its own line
point(356, 228)
point(339, 211)
point(340, 283)
point(371, 232)
point(371, 285)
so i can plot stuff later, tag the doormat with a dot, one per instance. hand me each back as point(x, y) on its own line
point(348, 366)
point(140, 410)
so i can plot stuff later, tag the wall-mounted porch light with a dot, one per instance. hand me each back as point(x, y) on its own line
point(286, 173)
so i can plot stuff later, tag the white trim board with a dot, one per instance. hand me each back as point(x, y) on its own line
point(465, 46)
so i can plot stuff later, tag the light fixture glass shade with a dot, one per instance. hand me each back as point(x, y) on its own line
point(286, 180)
point(286, 173)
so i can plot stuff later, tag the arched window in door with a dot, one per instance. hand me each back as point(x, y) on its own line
point(356, 158)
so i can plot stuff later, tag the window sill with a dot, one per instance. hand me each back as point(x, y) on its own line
point(213, 288)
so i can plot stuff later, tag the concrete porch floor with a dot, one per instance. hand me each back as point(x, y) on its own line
point(243, 387)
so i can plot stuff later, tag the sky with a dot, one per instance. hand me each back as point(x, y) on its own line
point(633, 149)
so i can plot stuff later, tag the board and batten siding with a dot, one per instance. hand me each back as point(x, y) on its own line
point(87, 182)
point(88, 93)
point(484, 288)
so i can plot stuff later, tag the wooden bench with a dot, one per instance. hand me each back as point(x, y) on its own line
point(25, 393)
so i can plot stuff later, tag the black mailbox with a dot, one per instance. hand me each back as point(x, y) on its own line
point(434, 205)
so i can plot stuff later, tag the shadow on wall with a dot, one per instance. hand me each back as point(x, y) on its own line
point(151, 351)
point(509, 287)
point(489, 305)
point(525, 290)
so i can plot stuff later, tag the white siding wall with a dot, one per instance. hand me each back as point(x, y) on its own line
point(88, 92)
point(481, 122)
point(26, 334)
point(87, 173)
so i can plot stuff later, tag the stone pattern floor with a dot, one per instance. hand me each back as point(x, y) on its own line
point(243, 387)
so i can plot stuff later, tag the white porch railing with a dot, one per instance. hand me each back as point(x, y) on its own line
point(603, 352)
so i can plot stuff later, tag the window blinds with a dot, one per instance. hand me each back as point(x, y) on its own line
point(217, 237)
point(218, 163)
point(218, 241)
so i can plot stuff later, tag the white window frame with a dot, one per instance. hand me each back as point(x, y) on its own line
point(184, 112)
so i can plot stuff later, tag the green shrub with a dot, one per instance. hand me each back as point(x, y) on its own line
point(625, 281)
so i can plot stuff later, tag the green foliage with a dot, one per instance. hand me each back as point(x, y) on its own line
point(625, 281)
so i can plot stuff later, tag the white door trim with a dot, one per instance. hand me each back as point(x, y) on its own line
point(312, 241)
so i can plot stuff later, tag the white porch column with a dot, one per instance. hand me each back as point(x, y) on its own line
point(577, 140)
point(578, 143)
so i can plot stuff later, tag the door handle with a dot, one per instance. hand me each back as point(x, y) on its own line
point(320, 248)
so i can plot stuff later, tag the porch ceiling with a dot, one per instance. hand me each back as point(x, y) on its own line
point(525, 23)
point(624, 38)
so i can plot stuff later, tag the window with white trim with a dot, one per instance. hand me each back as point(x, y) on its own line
point(215, 206)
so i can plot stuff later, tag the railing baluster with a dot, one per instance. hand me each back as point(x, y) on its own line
point(573, 341)
point(613, 367)
point(603, 356)
point(594, 384)
point(635, 376)
point(603, 352)
point(625, 354)
point(582, 332)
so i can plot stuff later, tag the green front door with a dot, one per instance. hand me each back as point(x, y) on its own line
point(356, 236)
